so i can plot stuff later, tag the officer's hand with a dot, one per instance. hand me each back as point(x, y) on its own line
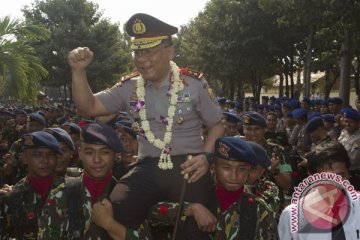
point(195, 167)
point(205, 220)
point(275, 162)
point(102, 213)
point(80, 57)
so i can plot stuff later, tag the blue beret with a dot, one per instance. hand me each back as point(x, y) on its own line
point(328, 117)
point(127, 127)
point(262, 157)
point(314, 124)
point(231, 117)
point(235, 149)
point(71, 128)
point(254, 118)
point(350, 113)
point(335, 100)
point(96, 133)
point(36, 117)
point(40, 139)
point(62, 136)
point(277, 107)
point(299, 113)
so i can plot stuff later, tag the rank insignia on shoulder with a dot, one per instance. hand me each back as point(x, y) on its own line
point(125, 78)
point(191, 73)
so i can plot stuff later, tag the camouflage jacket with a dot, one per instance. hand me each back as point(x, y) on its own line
point(267, 196)
point(19, 169)
point(20, 211)
point(230, 225)
point(54, 220)
point(320, 146)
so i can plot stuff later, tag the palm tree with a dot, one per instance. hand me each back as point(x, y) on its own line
point(20, 68)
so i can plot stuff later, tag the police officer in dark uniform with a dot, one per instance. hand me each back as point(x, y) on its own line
point(170, 105)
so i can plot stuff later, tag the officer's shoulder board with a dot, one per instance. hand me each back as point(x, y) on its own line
point(191, 73)
point(125, 78)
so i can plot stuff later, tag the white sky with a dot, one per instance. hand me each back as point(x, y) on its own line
point(176, 13)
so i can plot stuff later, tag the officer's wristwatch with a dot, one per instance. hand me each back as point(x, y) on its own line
point(209, 156)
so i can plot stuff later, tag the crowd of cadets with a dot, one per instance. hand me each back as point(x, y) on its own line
point(51, 155)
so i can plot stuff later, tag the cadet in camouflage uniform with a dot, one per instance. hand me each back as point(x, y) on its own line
point(21, 207)
point(319, 138)
point(15, 169)
point(99, 146)
point(239, 214)
point(350, 138)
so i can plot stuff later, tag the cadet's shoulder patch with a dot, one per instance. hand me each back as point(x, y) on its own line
point(192, 73)
point(126, 78)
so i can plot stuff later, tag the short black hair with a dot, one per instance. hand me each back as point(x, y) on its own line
point(334, 153)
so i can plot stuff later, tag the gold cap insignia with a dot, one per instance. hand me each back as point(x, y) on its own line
point(138, 27)
point(246, 119)
point(28, 140)
point(223, 149)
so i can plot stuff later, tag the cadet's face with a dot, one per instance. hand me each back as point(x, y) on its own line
point(20, 119)
point(63, 161)
point(153, 63)
point(254, 133)
point(231, 175)
point(271, 121)
point(231, 128)
point(337, 167)
point(41, 162)
point(255, 173)
point(97, 159)
point(34, 126)
point(324, 109)
point(350, 125)
point(130, 149)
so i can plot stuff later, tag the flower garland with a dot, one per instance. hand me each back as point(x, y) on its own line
point(177, 86)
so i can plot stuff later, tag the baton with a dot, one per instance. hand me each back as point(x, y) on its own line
point(181, 202)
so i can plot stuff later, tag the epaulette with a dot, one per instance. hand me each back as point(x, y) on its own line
point(192, 73)
point(126, 78)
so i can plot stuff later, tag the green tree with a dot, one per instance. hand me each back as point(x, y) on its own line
point(20, 68)
point(75, 23)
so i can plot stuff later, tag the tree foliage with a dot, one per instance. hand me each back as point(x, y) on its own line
point(20, 68)
point(75, 23)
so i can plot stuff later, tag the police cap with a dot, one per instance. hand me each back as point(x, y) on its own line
point(350, 113)
point(127, 127)
point(148, 31)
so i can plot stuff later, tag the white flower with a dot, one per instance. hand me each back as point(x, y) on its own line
point(177, 86)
